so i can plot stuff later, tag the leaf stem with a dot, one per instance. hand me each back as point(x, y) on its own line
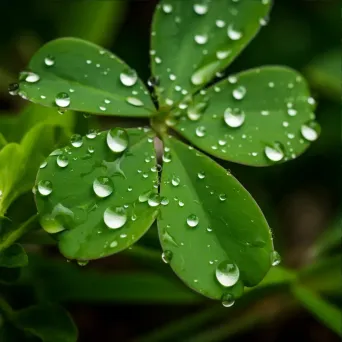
point(5, 308)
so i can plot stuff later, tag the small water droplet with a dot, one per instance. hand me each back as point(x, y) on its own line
point(153, 81)
point(129, 77)
point(220, 23)
point(275, 258)
point(310, 131)
point(175, 181)
point(223, 54)
point(76, 140)
point(115, 217)
point(134, 101)
point(13, 89)
point(167, 157)
point(103, 186)
point(227, 273)
point(49, 60)
point(62, 100)
point(167, 256)
point(43, 164)
point(117, 140)
point(164, 201)
point(201, 175)
point(275, 152)
point(32, 77)
point(153, 200)
point(200, 8)
point(44, 187)
point(167, 8)
point(200, 131)
point(227, 300)
point(113, 244)
point(82, 263)
point(222, 197)
point(234, 117)
point(239, 93)
point(201, 39)
point(62, 161)
point(205, 73)
point(192, 220)
point(292, 112)
point(195, 112)
point(233, 33)
point(92, 133)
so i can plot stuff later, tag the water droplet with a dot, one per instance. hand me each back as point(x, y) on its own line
point(167, 256)
point(239, 93)
point(201, 39)
point(134, 101)
point(192, 220)
point(44, 187)
point(129, 77)
point(222, 197)
point(113, 244)
point(195, 112)
point(153, 200)
point(117, 140)
point(164, 201)
point(175, 181)
point(153, 81)
point(115, 217)
point(167, 157)
point(76, 140)
point(223, 54)
point(205, 73)
point(234, 117)
point(49, 60)
point(227, 300)
point(227, 273)
point(82, 263)
point(233, 33)
point(13, 89)
point(103, 186)
point(91, 134)
point(220, 23)
point(91, 149)
point(144, 196)
point(292, 112)
point(43, 164)
point(200, 131)
point(31, 77)
point(167, 8)
point(62, 161)
point(275, 152)
point(201, 175)
point(201, 9)
point(275, 258)
point(311, 131)
point(62, 100)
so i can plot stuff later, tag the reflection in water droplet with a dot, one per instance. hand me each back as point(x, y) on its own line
point(275, 152)
point(103, 186)
point(167, 256)
point(227, 300)
point(62, 161)
point(227, 273)
point(275, 258)
point(44, 187)
point(311, 130)
point(62, 100)
point(76, 140)
point(234, 117)
point(129, 77)
point(117, 140)
point(192, 220)
point(115, 217)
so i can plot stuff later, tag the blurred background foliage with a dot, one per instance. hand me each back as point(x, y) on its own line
point(133, 296)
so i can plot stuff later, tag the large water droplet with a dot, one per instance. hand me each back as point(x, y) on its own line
point(311, 130)
point(134, 101)
point(32, 77)
point(129, 77)
point(239, 93)
point(117, 140)
point(275, 258)
point(275, 152)
point(201, 8)
point(192, 220)
point(62, 100)
point(115, 217)
point(44, 187)
point(76, 140)
point(227, 273)
point(167, 256)
point(233, 33)
point(62, 161)
point(103, 186)
point(49, 60)
point(234, 117)
point(227, 300)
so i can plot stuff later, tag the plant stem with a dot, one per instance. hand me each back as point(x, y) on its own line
point(5, 308)
point(14, 235)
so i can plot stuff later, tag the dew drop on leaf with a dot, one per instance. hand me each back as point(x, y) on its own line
point(117, 140)
point(275, 258)
point(153, 200)
point(49, 60)
point(275, 152)
point(129, 77)
point(134, 101)
point(201, 39)
point(103, 186)
point(201, 8)
point(92, 133)
point(292, 112)
point(201, 175)
point(82, 263)
point(200, 131)
point(227, 273)
point(13, 89)
point(195, 112)
point(164, 201)
point(76, 140)
point(44, 187)
point(310, 131)
point(227, 300)
point(222, 197)
point(144, 196)
point(220, 23)
point(62, 100)
point(153, 81)
point(233, 33)
point(192, 220)
point(115, 217)
point(32, 77)
point(175, 181)
point(62, 161)
point(167, 256)
point(43, 164)
point(223, 54)
point(234, 117)
point(239, 93)
point(167, 8)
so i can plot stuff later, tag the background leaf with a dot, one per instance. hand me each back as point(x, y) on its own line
point(100, 83)
point(209, 211)
point(193, 40)
point(255, 118)
point(73, 205)
point(13, 256)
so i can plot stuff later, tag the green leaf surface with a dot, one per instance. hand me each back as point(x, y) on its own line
point(74, 209)
point(49, 322)
point(230, 227)
point(265, 126)
point(13, 256)
point(94, 76)
point(324, 74)
point(327, 313)
point(193, 40)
